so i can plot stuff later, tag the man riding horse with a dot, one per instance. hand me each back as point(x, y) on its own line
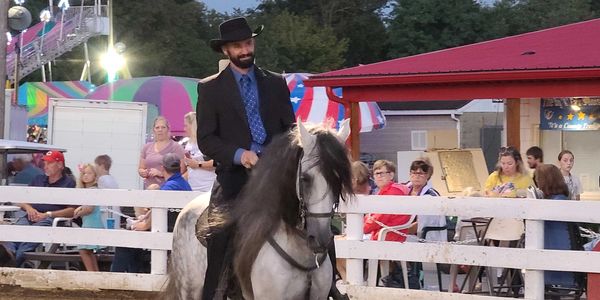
point(239, 112)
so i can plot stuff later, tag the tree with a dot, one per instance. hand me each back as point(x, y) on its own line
point(297, 44)
point(428, 25)
point(165, 37)
point(357, 21)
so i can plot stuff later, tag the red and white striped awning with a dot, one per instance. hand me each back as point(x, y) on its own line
point(313, 105)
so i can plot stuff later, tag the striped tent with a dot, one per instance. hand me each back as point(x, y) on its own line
point(35, 96)
point(313, 105)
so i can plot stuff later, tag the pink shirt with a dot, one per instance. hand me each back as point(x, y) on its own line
point(153, 159)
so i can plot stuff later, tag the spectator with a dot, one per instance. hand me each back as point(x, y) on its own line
point(105, 179)
point(510, 176)
point(90, 215)
point(566, 160)
point(535, 157)
point(26, 171)
point(153, 153)
point(421, 171)
point(557, 235)
point(383, 172)
point(42, 214)
point(129, 259)
point(360, 178)
point(200, 172)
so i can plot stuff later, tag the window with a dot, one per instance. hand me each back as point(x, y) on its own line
point(418, 140)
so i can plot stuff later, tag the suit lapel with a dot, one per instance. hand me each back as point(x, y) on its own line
point(232, 93)
point(263, 93)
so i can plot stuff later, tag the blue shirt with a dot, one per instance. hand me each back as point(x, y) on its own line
point(176, 183)
point(27, 175)
point(42, 181)
point(254, 89)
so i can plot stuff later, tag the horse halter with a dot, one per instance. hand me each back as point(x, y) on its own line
point(302, 207)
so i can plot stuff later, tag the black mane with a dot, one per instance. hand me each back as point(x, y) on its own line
point(270, 193)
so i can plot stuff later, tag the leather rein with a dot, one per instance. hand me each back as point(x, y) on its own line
point(304, 213)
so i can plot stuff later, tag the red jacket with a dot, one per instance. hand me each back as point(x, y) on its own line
point(389, 220)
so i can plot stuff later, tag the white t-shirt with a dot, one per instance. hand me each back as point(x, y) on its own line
point(107, 182)
point(199, 179)
point(574, 186)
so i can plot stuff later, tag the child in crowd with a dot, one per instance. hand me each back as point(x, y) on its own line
point(90, 214)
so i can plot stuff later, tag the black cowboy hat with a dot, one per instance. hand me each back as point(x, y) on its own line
point(234, 30)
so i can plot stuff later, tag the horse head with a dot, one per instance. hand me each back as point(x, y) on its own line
point(318, 188)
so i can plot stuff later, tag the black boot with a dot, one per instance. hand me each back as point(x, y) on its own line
point(334, 293)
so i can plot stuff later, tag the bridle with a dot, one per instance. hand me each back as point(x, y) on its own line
point(319, 252)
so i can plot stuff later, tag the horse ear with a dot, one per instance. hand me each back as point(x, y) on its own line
point(308, 140)
point(344, 130)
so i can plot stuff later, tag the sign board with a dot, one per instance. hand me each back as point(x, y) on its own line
point(580, 113)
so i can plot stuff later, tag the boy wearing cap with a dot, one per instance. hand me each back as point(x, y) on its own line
point(43, 214)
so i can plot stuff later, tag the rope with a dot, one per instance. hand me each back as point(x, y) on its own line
point(586, 233)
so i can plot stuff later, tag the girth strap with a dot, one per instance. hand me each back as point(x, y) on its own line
point(291, 260)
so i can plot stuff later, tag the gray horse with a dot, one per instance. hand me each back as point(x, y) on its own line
point(283, 218)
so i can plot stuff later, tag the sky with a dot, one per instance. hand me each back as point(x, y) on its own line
point(229, 5)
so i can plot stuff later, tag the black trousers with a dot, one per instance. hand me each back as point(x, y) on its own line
point(219, 255)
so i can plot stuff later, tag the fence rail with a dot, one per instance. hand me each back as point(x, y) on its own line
point(533, 257)
point(158, 240)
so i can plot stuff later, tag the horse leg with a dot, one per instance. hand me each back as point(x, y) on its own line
point(321, 281)
point(188, 257)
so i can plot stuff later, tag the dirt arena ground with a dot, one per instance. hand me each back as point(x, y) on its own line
point(14, 292)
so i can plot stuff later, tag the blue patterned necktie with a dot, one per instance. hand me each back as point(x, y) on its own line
point(257, 129)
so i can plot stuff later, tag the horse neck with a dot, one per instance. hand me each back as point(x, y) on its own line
point(294, 244)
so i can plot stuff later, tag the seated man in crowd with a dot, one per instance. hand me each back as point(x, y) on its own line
point(26, 171)
point(40, 214)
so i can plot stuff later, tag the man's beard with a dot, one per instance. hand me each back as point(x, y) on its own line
point(243, 64)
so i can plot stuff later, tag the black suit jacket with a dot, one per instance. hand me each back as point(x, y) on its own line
point(223, 125)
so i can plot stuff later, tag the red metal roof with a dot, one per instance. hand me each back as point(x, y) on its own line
point(570, 51)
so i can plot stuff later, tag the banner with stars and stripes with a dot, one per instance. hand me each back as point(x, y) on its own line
point(312, 104)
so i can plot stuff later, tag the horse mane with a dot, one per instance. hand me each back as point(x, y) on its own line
point(269, 197)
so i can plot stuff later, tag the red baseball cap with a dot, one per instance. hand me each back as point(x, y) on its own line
point(54, 155)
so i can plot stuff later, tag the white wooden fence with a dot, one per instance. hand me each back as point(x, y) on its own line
point(532, 257)
point(158, 240)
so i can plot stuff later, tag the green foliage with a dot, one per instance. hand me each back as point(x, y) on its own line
point(165, 37)
point(357, 21)
point(297, 44)
point(428, 25)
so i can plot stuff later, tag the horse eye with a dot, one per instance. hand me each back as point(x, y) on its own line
point(306, 178)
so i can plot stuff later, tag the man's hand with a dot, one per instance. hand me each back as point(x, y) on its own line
point(249, 159)
point(33, 215)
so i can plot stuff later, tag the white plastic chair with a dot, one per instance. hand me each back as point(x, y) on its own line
point(502, 230)
point(384, 264)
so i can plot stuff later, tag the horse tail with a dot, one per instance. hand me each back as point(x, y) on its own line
point(188, 257)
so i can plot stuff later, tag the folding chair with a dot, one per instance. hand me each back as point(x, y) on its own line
point(384, 264)
point(503, 231)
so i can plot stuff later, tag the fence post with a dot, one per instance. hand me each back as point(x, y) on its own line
point(354, 232)
point(534, 279)
point(158, 258)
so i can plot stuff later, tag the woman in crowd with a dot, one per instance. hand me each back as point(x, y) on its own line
point(200, 172)
point(153, 153)
point(360, 178)
point(510, 176)
point(421, 171)
point(383, 173)
point(557, 235)
point(566, 159)
point(90, 215)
